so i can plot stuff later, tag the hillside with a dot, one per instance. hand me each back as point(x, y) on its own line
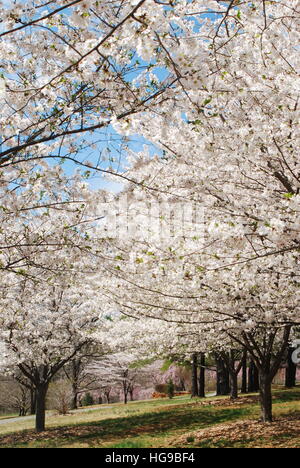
point(181, 422)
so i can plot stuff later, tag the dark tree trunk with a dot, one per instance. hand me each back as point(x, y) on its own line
point(223, 386)
point(244, 375)
point(131, 395)
point(266, 403)
point(182, 385)
point(194, 375)
point(268, 364)
point(107, 396)
point(76, 367)
point(40, 417)
point(125, 389)
point(201, 386)
point(32, 401)
point(253, 378)
point(74, 402)
point(291, 370)
point(234, 390)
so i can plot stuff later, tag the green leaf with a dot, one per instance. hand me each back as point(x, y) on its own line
point(119, 257)
point(207, 101)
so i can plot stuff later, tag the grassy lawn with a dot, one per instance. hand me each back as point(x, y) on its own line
point(180, 422)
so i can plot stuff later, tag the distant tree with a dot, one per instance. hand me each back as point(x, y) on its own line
point(60, 396)
point(171, 389)
point(244, 388)
point(194, 375)
point(88, 400)
point(14, 397)
point(201, 382)
point(78, 375)
point(234, 361)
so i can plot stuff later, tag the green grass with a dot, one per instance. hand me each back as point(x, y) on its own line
point(153, 423)
point(93, 413)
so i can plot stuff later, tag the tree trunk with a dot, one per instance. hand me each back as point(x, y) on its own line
point(223, 386)
point(291, 370)
point(265, 384)
point(244, 375)
point(253, 378)
point(268, 364)
point(74, 402)
point(194, 376)
point(107, 396)
point(182, 385)
point(75, 373)
point(201, 386)
point(234, 390)
point(32, 401)
point(41, 393)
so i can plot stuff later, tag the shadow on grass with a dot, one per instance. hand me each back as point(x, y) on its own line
point(148, 425)
point(287, 396)
point(143, 429)
point(180, 418)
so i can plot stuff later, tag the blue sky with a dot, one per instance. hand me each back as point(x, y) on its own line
point(110, 142)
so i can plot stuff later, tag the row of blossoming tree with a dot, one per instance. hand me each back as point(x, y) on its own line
point(201, 248)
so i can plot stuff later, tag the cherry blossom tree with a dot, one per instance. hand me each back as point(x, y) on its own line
point(42, 211)
point(121, 372)
point(46, 324)
point(80, 380)
point(230, 136)
point(251, 306)
point(215, 86)
point(71, 68)
point(14, 397)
